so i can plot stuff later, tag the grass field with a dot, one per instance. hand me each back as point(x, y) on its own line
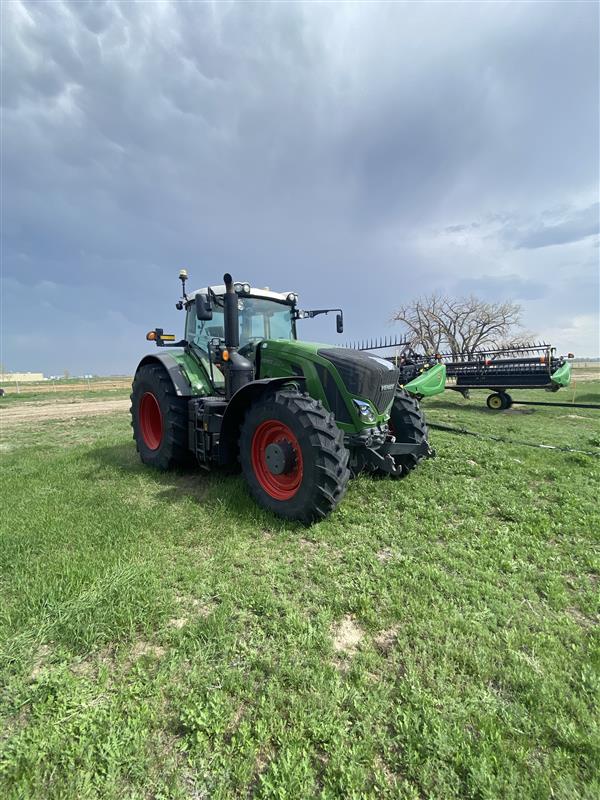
point(162, 637)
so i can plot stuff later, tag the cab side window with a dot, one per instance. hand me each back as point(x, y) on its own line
point(202, 331)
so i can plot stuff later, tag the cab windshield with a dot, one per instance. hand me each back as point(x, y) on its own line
point(264, 319)
point(259, 319)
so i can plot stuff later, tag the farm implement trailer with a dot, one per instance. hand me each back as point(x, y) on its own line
point(528, 366)
point(531, 366)
point(298, 417)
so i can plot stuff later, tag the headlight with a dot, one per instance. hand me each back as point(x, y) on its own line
point(292, 298)
point(247, 288)
point(365, 412)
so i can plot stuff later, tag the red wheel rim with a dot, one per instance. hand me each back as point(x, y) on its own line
point(284, 486)
point(151, 423)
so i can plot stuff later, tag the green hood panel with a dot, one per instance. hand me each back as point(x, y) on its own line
point(562, 376)
point(320, 377)
point(429, 383)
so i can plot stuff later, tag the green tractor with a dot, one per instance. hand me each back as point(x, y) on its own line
point(298, 417)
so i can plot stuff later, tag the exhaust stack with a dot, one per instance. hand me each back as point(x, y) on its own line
point(237, 369)
point(231, 322)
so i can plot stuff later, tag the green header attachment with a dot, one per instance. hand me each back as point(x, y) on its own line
point(430, 382)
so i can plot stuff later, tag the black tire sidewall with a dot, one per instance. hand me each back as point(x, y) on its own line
point(148, 380)
point(409, 426)
point(402, 431)
point(490, 399)
point(297, 507)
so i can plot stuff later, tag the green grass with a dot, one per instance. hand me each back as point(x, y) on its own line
point(161, 636)
point(65, 396)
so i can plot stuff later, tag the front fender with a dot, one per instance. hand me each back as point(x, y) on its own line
point(236, 409)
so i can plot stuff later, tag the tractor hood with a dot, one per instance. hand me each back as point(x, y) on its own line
point(336, 375)
point(365, 375)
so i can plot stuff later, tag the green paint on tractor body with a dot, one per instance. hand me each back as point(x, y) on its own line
point(195, 374)
point(281, 357)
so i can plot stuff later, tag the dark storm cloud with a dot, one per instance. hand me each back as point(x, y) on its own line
point(576, 226)
point(309, 146)
point(505, 287)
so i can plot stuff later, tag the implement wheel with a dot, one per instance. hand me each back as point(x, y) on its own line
point(159, 419)
point(293, 456)
point(494, 402)
point(499, 401)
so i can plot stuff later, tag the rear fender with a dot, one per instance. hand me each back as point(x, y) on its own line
point(236, 410)
point(176, 373)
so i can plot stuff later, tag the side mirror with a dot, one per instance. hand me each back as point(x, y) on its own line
point(203, 310)
point(339, 322)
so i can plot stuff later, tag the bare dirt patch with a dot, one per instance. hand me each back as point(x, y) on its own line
point(29, 412)
point(385, 555)
point(195, 606)
point(178, 622)
point(585, 374)
point(39, 661)
point(142, 648)
point(580, 618)
point(386, 639)
point(347, 635)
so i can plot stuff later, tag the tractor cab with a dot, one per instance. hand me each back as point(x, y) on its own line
point(262, 314)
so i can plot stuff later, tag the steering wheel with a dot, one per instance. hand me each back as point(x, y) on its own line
point(247, 349)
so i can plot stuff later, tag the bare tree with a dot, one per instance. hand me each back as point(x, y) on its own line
point(437, 323)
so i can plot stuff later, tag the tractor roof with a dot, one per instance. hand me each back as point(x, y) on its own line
point(265, 293)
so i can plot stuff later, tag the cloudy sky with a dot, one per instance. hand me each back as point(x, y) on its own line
point(360, 154)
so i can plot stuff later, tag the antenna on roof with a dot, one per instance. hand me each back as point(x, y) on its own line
point(183, 276)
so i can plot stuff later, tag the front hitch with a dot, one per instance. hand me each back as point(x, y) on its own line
point(382, 457)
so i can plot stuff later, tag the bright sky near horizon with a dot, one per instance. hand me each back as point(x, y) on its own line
point(360, 154)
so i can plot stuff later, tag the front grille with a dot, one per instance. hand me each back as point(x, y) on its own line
point(335, 401)
point(365, 374)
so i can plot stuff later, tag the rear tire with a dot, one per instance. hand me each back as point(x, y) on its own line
point(159, 419)
point(293, 433)
point(407, 424)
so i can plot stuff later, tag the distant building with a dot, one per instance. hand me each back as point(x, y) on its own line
point(21, 377)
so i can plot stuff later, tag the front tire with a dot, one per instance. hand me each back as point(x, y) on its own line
point(159, 419)
point(407, 424)
point(293, 457)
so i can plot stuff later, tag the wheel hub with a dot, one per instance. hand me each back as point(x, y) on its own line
point(276, 458)
point(280, 457)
